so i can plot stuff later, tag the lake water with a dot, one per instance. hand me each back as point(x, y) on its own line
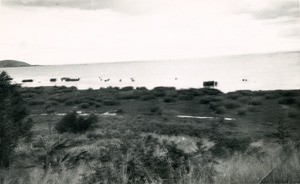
point(263, 72)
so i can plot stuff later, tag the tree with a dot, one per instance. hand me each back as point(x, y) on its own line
point(12, 119)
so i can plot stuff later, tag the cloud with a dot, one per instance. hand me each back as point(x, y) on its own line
point(271, 9)
point(128, 6)
point(158, 29)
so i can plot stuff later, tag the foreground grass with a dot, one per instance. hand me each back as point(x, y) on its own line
point(146, 143)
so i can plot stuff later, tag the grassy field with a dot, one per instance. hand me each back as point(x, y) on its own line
point(237, 137)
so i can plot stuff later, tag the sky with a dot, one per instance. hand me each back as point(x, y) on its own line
point(92, 31)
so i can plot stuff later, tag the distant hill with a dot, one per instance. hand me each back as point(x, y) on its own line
point(12, 63)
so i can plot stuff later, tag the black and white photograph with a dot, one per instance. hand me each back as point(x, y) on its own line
point(149, 91)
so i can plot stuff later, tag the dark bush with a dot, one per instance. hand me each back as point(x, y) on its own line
point(220, 110)
point(214, 105)
point(127, 88)
point(147, 97)
point(231, 105)
point(77, 101)
point(256, 101)
point(142, 88)
point(119, 111)
point(287, 101)
point(253, 109)
point(129, 95)
point(291, 93)
point(293, 113)
point(53, 103)
point(84, 105)
point(158, 93)
point(156, 110)
point(172, 94)
point(36, 102)
point(60, 99)
point(233, 95)
point(91, 103)
point(27, 95)
point(50, 110)
point(241, 112)
point(272, 95)
point(298, 102)
point(209, 91)
point(162, 88)
point(110, 102)
point(69, 102)
point(169, 99)
point(185, 96)
point(69, 89)
point(225, 147)
point(97, 105)
point(74, 123)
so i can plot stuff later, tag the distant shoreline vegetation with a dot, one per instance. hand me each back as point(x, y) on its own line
point(13, 63)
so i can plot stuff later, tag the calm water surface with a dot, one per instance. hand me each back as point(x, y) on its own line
point(263, 72)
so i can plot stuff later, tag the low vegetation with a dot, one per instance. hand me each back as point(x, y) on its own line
point(128, 135)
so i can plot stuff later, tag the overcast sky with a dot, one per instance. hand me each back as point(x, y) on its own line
point(89, 31)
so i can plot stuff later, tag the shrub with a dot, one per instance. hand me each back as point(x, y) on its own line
point(162, 88)
point(291, 93)
point(36, 102)
point(145, 165)
point(244, 99)
point(226, 146)
point(287, 100)
point(53, 103)
point(220, 110)
point(60, 99)
point(158, 93)
point(172, 94)
point(156, 110)
point(110, 102)
point(77, 101)
point(129, 95)
point(84, 105)
point(241, 112)
point(253, 109)
point(185, 97)
point(255, 101)
point(70, 89)
point(12, 115)
point(50, 110)
point(298, 102)
point(231, 105)
point(127, 88)
point(272, 95)
point(142, 88)
point(293, 113)
point(147, 97)
point(91, 103)
point(69, 102)
point(233, 96)
point(119, 111)
point(27, 95)
point(209, 91)
point(169, 99)
point(214, 105)
point(205, 100)
point(74, 123)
